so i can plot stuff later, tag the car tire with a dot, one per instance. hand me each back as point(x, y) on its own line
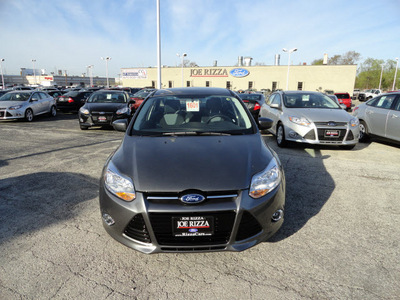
point(280, 137)
point(29, 115)
point(53, 111)
point(364, 137)
point(347, 147)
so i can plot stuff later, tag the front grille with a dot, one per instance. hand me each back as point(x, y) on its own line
point(137, 229)
point(174, 249)
point(215, 197)
point(162, 227)
point(327, 124)
point(248, 227)
point(322, 137)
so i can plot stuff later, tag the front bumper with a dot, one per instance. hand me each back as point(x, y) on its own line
point(322, 133)
point(6, 114)
point(100, 119)
point(146, 224)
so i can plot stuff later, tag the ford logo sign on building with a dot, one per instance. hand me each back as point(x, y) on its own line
point(192, 198)
point(239, 72)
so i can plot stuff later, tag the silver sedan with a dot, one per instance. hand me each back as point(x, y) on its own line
point(310, 117)
point(380, 117)
point(26, 105)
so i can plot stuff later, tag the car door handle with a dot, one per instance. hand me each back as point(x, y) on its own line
point(394, 116)
point(370, 112)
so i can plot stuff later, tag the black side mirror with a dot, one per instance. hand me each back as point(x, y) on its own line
point(265, 123)
point(120, 125)
point(132, 101)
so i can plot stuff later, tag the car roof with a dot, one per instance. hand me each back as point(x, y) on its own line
point(194, 91)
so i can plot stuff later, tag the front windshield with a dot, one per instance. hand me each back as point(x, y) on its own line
point(250, 96)
point(107, 97)
point(15, 97)
point(178, 115)
point(305, 100)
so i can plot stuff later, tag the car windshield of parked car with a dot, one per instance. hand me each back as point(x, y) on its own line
point(343, 96)
point(250, 96)
point(142, 93)
point(305, 100)
point(15, 97)
point(107, 97)
point(179, 115)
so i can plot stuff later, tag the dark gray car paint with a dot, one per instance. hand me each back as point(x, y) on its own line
point(207, 163)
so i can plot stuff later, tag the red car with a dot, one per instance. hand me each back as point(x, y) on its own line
point(139, 97)
point(344, 98)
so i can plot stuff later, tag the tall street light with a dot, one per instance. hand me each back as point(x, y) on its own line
point(380, 80)
point(107, 58)
point(34, 71)
point(158, 46)
point(90, 73)
point(395, 73)
point(2, 76)
point(182, 56)
point(288, 66)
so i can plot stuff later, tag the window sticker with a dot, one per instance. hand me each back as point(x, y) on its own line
point(306, 97)
point(192, 105)
point(109, 96)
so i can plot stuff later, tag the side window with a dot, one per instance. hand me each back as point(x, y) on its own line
point(385, 101)
point(271, 98)
point(35, 96)
point(276, 100)
point(397, 107)
point(43, 95)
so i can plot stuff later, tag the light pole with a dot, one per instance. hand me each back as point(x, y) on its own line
point(34, 71)
point(380, 80)
point(288, 66)
point(182, 56)
point(158, 46)
point(395, 73)
point(107, 58)
point(2, 76)
point(90, 73)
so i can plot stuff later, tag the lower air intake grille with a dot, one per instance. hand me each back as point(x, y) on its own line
point(162, 227)
point(248, 227)
point(137, 230)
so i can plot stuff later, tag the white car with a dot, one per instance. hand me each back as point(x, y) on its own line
point(26, 105)
point(310, 117)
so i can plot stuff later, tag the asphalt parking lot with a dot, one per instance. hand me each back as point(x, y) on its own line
point(340, 239)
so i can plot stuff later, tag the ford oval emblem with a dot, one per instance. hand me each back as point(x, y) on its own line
point(331, 123)
point(192, 198)
point(239, 72)
point(193, 230)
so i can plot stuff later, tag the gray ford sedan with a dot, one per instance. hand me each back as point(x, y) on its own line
point(310, 117)
point(192, 174)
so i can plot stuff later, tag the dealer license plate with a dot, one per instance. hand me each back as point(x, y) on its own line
point(332, 133)
point(102, 119)
point(193, 226)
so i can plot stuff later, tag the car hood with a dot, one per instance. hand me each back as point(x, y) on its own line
point(205, 163)
point(11, 103)
point(105, 107)
point(321, 114)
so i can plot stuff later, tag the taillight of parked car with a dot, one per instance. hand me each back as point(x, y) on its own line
point(257, 106)
point(70, 100)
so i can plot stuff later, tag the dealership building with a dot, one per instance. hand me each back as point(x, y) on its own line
point(337, 78)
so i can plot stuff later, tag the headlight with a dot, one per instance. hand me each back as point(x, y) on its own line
point(122, 111)
point(15, 107)
point(119, 185)
point(264, 182)
point(300, 121)
point(354, 122)
point(84, 111)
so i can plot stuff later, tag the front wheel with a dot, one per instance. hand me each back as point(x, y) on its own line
point(29, 115)
point(53, 111)
point(280, 137)
point(364, 137)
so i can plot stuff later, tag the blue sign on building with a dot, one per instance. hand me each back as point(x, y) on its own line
point(239, 72)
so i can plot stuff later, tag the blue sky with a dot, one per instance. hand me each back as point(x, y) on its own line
point(71, 34)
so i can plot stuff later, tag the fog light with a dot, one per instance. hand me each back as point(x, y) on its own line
point(277, 215)
point(293, 135)
point(108, 219)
